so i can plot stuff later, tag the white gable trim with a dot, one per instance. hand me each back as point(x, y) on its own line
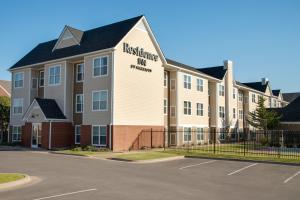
point(61, 37)
point(25, 116)
point(156, 45)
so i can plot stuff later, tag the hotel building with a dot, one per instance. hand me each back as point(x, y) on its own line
point(103, 86)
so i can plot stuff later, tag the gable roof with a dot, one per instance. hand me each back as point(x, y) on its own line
point(259, 86)
point(215, 72)
point(92, 40)
point(289, 97)
point(290, 113)
point(5, 88)
point(50, 108)
point(276, 92)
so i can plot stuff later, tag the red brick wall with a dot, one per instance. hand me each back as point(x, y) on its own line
point(45, 135)
point(85, 137)
point(26, 135)
point(62, 134)
point(124, 136)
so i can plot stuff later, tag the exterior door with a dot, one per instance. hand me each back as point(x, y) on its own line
point(173, 138)
point(36, 135)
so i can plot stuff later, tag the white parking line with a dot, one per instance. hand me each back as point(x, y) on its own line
point(239, 170)
point(290, 178)
point(65, 194)
point(207, 162)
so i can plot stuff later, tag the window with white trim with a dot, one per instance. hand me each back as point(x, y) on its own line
point(42, 79)
point(54, 75)
point(165, 79)
point(79, 103)
point(221, 112)
point(200, 134)
point(234, 113)
point(187, 110)
point(165, 106)
point(187, 82)
point(187, 136)
point(16, 133)
point(199, 84)
point(221, 90)
point(79, 72)
point(100, 66)
point(253, 98)
point(100, 99)
point(241, 115)
point(234, 93)
point(18, 80)
point(275, 103)
point(240, 96)
point(77, 134)
point(99, 135)
point(172, 111)
point(199, 107)
point(18, 106)
point(270, 102)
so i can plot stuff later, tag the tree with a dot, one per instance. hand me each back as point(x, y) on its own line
point(262, 118)
point(4, 113)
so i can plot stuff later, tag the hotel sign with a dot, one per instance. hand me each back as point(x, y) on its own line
point(142, 55)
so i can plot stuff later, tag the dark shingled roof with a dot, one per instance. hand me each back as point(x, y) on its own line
point(92, 40)
point(257, 86)
point(289, 97)
point(50, 108)
point(276, 92)
point(216, 72)
point(290, 113)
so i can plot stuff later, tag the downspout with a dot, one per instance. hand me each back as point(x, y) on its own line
point(50, 135)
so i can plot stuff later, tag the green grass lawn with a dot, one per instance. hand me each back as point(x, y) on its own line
point(5, 178)
point(148, 155)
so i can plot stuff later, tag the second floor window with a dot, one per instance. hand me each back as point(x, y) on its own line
point(100, 99)
point(234, 93)
point(165, 106)
point(187, 110)
point(253, 98)
point(187, 82)
point(54, 75)
point(221, 112)
point(200, 85)
point(18, 80)
point(79, 103)
point(18, 106)
point(199, 109)
point(42, 79)
point(240, 96)
point(221, 90)
point(165, 79)
point(80, 72)
point(241, 115)
point(234, 113)
point(100, 66)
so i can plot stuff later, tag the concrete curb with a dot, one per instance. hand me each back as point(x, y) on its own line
point(69, 154)
point(13, 184)
point(147, 161)
point(244, 160)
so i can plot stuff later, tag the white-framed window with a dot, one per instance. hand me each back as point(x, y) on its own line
point(100, 66)
point(240, 96)
point(253, 98)
point(187, 107)
point(241, 114)
point(16, 133)
point(165, 106)
point(222, 135)
point(99, 135)
point(187, 81)
point(18, 106)
point(200, 134)
point(275, 103)
point(100, 100)
point(199, 107)
point(54, 75)
point(270, 102)
point(79, 72)
point(79, 103)
point(42, 79)
point(221, 112)
point(77, 134)
point(187, 134)
point(221, 90)
point(234, 93)
point(173, 111)
point(19, 80)
point(173, 84)
point(234, 113)
point(199, 84)
point(165, 79)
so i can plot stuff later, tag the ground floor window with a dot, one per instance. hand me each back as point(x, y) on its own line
point(200, 134)
point(77, 134)
point(99, 135)
point(16, 133)
point(187, 134)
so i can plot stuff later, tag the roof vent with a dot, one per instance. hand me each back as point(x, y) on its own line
point(264, 81)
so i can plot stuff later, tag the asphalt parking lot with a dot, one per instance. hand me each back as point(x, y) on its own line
point(71, 177)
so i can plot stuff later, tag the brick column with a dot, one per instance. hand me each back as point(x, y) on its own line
point(26, 135)
point(85, 138)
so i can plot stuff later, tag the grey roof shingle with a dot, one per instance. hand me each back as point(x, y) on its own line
point(289, 97)
point(92, 40)
point(50, 108)
point(276, 92)
point(259, 86)
point(290, 113)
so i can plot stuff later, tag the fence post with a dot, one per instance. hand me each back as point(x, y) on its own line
point(244, 138)
point(164, 139)
point(214, 140)
point(151, 139)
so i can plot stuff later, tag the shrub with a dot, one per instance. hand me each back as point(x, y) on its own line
point(263, 141)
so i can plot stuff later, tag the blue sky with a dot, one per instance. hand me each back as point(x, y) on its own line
point(262, 38)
